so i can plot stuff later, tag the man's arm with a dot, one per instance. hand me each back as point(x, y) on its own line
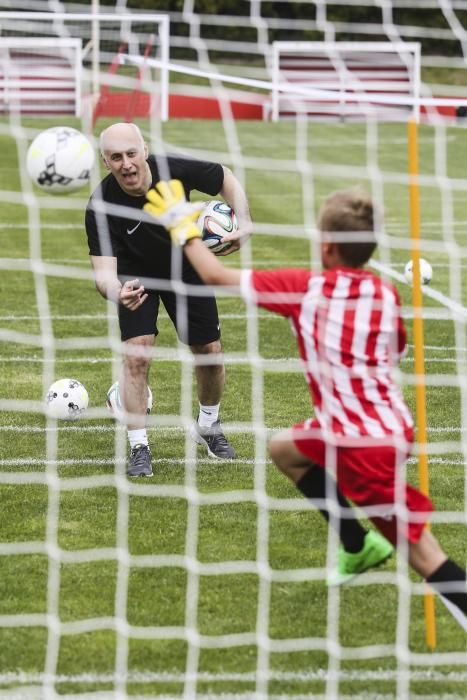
point(234, 195)
point(131, 294)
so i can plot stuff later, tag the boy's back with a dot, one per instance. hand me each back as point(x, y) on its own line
point(350, 335)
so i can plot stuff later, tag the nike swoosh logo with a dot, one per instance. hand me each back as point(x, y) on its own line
point(132, 230)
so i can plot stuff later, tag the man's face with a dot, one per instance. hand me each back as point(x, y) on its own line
point(125, 156)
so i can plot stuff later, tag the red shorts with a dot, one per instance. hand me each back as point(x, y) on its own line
point(366, 475)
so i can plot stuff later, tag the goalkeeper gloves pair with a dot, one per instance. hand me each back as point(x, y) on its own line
point(168, 204)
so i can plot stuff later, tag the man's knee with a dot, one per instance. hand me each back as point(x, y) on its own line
point(207, 349)
point(210, 358)
point(137, 353)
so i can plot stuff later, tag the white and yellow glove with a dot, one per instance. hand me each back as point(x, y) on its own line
point(167, 203)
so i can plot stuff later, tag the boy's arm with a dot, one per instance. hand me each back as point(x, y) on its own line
point(209, 267)
point(167, 203)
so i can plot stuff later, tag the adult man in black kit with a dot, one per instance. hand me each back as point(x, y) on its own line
point(126, 249)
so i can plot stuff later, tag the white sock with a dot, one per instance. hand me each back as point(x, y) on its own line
point(208, 415)
point(138, 437)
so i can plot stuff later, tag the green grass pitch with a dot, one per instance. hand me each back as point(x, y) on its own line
point(138, 565)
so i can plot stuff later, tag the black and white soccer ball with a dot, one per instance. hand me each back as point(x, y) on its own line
point(426, 272)
point(217, 220)
point(114, 402)
point(60, 160)
point(66, 399)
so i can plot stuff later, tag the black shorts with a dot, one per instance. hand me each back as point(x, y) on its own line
point(197, 322)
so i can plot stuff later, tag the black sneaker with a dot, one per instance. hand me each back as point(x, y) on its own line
point(214, 439)
point(140, 461)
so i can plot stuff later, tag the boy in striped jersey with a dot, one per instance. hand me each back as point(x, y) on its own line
point(350, 335)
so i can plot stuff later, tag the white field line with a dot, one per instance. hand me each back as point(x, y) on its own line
point(32, 692)
point(322, 674)
point(167, 430)
point(179, 461)
point(101, 462)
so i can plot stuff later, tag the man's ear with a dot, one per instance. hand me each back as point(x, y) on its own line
point(146, 151)
point(105, 161)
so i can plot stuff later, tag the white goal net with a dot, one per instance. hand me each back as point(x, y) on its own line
point(208, 581)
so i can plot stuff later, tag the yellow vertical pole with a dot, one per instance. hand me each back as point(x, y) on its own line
point(420, 395)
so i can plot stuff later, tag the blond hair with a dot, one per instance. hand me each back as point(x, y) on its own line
point(348, 211)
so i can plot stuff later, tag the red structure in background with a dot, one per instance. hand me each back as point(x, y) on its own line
point(194, 107)
point(131, 104)
point(137, 103)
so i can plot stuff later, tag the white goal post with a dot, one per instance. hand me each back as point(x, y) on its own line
point(345, 79)
point(95, 30)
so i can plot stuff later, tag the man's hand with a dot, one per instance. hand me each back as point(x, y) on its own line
point(237, 239)
point(167, 203)
point(132, 295)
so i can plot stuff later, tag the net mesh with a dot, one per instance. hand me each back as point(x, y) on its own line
point(208, 581)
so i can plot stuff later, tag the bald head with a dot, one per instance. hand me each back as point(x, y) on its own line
point(125, 153)
point(121, 136)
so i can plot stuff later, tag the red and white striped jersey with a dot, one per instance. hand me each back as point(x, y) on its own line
point(350, 335)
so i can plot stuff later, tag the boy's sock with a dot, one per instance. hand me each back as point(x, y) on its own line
point(138, 437)
point(444, 580)
point(313, 486)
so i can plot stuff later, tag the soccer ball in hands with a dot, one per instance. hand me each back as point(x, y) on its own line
point(426, 271)
point(114, 402)
point(217, 220)
point(66, 399)
point(60, 160)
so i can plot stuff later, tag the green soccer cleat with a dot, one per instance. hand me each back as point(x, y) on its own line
point(376, 549)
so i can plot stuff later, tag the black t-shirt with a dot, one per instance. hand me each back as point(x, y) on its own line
point(142, 248)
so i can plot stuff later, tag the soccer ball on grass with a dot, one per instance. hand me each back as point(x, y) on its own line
point(114, 402)
point(66, 399)
point(217, 220)
point(426, 272)
point(60, 160)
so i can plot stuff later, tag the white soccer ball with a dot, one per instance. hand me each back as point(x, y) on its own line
point(60, 160)
point(114, 402)
point(66, 399)
point(216, 221)
point(426, 271)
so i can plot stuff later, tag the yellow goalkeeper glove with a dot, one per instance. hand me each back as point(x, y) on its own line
point(167, 203)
